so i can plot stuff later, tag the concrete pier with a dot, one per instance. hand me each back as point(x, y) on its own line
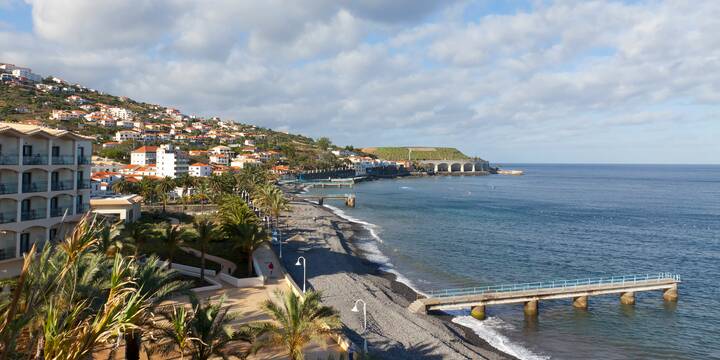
point(478, 312)
point(627, 298)
point(670, 294)
point(531, 308)
point(580, 302)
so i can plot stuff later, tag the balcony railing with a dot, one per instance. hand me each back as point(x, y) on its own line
point(82, 208)
point(60, 211)
point(7, 253)
point(8, 188)
point(83, 160)
point(8, 159)
point(35, 160)
point(34, 214)
point(62, 185)
point(8, 217)
point(83, 184)
point(34, 187)
point(63, 160)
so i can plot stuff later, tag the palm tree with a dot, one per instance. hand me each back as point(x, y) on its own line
point(202, 193)
point(186, 182)
point(277, 203)
point(137, 234)
point(217, 186)
point(164, 187)
point(246, 237)
point(204, 331)
point(109, 242)
point(173, 237)
point(147, 189)
point(206, 233)
point(123, 186)
point(297, 322)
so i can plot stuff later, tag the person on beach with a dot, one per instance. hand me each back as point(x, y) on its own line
point(271, 267)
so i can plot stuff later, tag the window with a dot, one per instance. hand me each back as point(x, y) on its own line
point(27, 150)
point(24, 243)
point(55, 151)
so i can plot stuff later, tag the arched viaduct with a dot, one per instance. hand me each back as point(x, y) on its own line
point(458, 166)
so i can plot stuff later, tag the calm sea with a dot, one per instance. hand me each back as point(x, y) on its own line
point(562, 222)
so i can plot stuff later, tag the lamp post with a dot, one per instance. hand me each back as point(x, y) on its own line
point(355, 309)
point(304, 265)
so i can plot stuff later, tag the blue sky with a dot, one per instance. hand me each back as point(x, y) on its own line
point(511, 81)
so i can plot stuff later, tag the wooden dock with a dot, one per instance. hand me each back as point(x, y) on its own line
point(530, 294)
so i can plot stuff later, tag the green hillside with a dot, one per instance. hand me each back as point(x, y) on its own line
point(416, 153)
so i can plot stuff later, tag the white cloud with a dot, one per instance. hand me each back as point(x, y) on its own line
point(371, 72)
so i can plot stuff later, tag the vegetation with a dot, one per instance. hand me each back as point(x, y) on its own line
point(297, 322)
point(416, 153)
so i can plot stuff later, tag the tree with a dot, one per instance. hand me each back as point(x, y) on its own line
point(246, 237)
point(123, 186)
point(297, 322)
point(206, 233)
point(204, 331)
point(163, 188)
point(148, 190)
point(323, 143)
point(109, 242)
point(137, 234)
point(186, 182)
point(173, 237)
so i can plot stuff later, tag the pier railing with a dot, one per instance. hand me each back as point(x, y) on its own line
point(555, 284)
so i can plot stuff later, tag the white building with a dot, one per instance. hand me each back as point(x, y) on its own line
point(221, 149)
point(125, 208)
point(144, 155)
point(220, 159)
point(200, 170)
point(125, 135)
point(171, 161)
point(26, 73)
point(121, 113)
point(241, 161)
point(44, 188)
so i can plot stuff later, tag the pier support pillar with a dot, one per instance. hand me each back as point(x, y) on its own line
point(531, 308)
point(580, 302)
point(320, 201)
point(670, 294)
point(627, 298)
point(478, 312)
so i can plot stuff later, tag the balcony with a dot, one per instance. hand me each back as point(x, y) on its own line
point(8, 159)
point(62, 185)
point(63, 160)
point(35, 159)
point(82, 208)
point(83, 160)
point(34, 187)
point(60, 211)
point(34, 214)
point(8, 217)
point(8, 188)
point(83, 184)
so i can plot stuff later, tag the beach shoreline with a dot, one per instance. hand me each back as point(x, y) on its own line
point(320, 229)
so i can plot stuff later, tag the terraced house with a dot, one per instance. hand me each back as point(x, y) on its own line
point(44, 188)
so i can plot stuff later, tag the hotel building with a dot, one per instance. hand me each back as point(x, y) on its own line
point(44, 188)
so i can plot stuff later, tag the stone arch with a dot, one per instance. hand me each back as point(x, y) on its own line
point(455, 167)
point(443, 167)
point(467, 167)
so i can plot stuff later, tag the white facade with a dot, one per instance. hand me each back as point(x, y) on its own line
point(200, 170)
point(144, 155)
point(121, 113)
point(171, 162)
point(26, 73)
point(44, 178)
point(124, 135)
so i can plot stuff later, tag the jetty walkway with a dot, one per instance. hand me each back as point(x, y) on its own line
point(348, 198)
point(476, 298)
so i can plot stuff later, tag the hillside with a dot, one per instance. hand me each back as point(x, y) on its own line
point(35, 104)
point(416, 153)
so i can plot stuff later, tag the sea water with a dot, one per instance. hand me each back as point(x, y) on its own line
point(560, 222)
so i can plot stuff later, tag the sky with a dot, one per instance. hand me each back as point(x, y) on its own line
point(509, 81)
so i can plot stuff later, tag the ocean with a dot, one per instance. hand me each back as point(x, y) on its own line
point(560, 222)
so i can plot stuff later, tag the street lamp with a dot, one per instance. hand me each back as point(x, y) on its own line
point(304, 265)
point(355, 309)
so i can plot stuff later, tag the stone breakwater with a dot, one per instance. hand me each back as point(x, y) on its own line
point(336, 267)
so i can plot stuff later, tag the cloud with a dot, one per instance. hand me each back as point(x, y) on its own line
point(403, 72)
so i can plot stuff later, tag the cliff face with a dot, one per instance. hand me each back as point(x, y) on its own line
point(416, 153)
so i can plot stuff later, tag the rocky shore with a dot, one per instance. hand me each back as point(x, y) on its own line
point(337, 268)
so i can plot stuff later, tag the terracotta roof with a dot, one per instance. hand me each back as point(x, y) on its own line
point(146, 149)
point(199, 164)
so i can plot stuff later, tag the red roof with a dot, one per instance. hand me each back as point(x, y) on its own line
point(146, 149)
point(198, 164)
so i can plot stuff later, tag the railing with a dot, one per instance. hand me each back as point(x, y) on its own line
point(63, 160)
point(83, 184)
point(83, 160)
point(62, 185)
point(8, 217)
point(34, 187)
point(57, 212)
point(33, 214)
point(8, 159)
point(556, 284)
point(35, 160)
point(8, 188)
point(82, 208)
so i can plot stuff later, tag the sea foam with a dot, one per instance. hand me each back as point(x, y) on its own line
point(489, 330)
